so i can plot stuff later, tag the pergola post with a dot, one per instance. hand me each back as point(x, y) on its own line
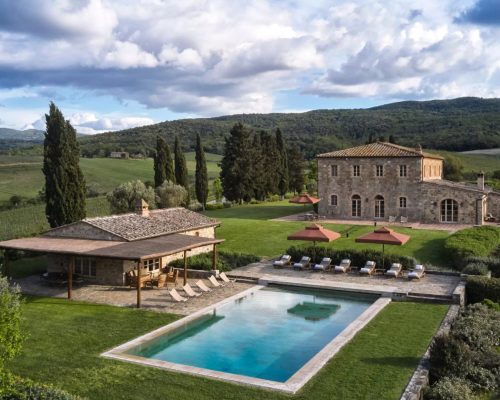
point(71, 267)
point(138, 283)
point(185, 267)
point(214, 257)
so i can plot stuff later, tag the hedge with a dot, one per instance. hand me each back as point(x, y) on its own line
point(226, 261)
point(26, 389)
point(478, 241)
point(358, 257)
point(493, 263)
point(479, 288)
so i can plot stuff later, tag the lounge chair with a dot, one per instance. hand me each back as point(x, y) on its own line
point(176, 296)
point(283, 261)
point(201, 285)
point(395, 270)
point(225, 279)
point(368, 269)
point(144, 280)
point(324, 265)
point(404, 220)
point(304, 263)
point(345, 266)
point(162, 280)
point(392, 219)
point(417, 272)
point(189, 291)
point(215, 282)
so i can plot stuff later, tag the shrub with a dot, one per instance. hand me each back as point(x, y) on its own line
point(274, 198)
point(226, 261)
point(450, 388)
point(478, 241)
point(481, 379)
point(493, 263)
point(491, 304)
point(25, 389)
point(227, 204)
point(357, 257)
point(124, 197)
point(195, 206)
point(479, 288)
point(214, 206)
point(169, 195)
point(476, 268)
point(449, 356)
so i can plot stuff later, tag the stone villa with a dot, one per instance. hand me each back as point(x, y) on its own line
point(382, 180)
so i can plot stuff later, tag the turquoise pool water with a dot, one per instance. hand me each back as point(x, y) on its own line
point(268, 334)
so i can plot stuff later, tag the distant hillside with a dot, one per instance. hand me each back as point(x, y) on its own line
point(18, 135)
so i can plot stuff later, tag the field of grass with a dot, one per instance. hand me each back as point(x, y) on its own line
point(22, 175)
point(376, 364)
point(476, 162)
point(247, 229)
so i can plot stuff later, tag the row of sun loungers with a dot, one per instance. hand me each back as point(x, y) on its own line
point(395, 271)
point(202, 287)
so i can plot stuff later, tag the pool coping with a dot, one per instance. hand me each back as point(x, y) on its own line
point(294, 383)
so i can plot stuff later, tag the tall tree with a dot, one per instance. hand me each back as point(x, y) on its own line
point(169, 164)
point(236, 164)
point(283, 164)
point(269, 161)
point(258, 173)
point(160, 161)
point(201, 174)
point(124, 197)
point(181, 172)
point(296, 165)
point(64, 181)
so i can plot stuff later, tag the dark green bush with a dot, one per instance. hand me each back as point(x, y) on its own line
point(214, 206)
point(476, 268)
point(227, 204)
point(449, 356)
point(478, 241)
point(450, 388)
point(491, 262)
point(358, 257)
point(25, 389)
point(226, 261)
point(479, 288)
point(491, 304)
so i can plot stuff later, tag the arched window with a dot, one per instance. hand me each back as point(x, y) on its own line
point(356, 205)
point(379, 207)
point(402, 202)
point(449, 210)
point(333, 200)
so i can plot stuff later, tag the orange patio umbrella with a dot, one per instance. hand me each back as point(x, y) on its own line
point(304, 199)
point(315, 233)
point(384, 236)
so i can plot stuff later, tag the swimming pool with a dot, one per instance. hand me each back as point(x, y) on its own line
point(268, 334)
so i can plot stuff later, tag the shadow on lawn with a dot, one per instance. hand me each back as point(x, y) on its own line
point(433, 252)
point(401, 362)
point(258, 211)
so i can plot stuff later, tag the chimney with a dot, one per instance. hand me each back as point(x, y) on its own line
point(480, 180)
point(142, 208)
point(419, 148)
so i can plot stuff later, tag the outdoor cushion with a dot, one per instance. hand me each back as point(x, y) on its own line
point(345, 261)
point(365, 270)
point(370, 263)
point(419, 267)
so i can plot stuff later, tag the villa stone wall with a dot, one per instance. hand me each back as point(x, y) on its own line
point(204, 232)
point(493, 204)
point(82, 230)
point(432, 168)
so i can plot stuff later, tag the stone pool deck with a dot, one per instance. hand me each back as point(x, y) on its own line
point(432, 286)
point(151, 298)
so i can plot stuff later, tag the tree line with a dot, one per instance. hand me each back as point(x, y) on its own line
point(256, 165)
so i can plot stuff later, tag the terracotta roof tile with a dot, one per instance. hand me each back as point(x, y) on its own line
point(378, 149)
point(159, 222)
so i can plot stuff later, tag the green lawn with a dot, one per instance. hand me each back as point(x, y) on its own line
point(22, 175)
point(247, 229)
point(475, 162)
point(64, 340)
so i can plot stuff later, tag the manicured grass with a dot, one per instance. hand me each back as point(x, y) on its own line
point(64, 340)
point(247, 229)
point(22, 175)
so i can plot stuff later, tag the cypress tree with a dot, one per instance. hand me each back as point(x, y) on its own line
point(181, 172)
point(283, 164)
point(269, 161)
point(258, 174)
point(296, 168)
point(64, 182)
point(201, 174)
point(169, 164)
point(160, 162)
point(236, 165)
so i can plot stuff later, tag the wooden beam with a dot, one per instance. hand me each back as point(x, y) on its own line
point(214, 257)
point(71, 268)
point(138, 283)
point(185, 267)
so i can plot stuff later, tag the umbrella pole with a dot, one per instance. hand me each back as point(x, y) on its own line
point(383, 252)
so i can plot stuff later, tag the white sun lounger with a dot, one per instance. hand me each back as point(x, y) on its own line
point(345, 265)
point(303, 263)
point(395, 270)
point(189, 291)
point(202, 286)
point(176, 296)
point(225, 279)
point(324, 265)
point(417, 272)
point(368, 269)
point(215, 282)
point(283, 261)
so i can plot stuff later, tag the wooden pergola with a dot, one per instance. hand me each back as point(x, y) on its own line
point(138, 250)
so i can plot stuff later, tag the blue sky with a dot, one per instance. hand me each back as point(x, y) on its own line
point(116, 64)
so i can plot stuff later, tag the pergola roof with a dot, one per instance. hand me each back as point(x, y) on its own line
point(304, 199)
point(137, 250)
point(315, 233)
point(384, 236)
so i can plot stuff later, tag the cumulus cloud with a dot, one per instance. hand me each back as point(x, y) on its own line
point(222, 57)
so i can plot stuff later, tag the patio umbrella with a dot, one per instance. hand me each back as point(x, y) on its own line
point(384, 236)
point(304, 199)
point(315, 233)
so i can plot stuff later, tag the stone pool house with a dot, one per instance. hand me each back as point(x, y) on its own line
point(104, 249)
point(385, 181)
